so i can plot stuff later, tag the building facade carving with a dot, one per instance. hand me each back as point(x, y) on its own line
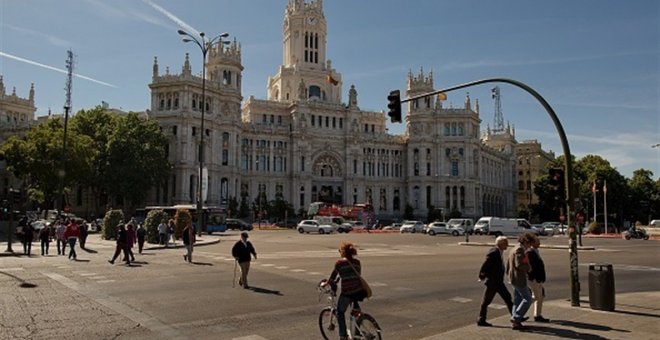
point(304, 144)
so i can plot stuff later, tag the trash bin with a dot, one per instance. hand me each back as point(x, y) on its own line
point(601, 286)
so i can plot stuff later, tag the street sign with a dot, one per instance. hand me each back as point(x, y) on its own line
point(205, 183)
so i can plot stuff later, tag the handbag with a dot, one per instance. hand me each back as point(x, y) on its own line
point(363, 282)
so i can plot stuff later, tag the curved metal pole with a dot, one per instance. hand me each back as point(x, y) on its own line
point(568, 165)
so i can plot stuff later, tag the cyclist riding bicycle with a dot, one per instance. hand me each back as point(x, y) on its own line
point(348, 270)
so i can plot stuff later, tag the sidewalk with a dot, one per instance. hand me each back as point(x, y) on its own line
point(95, 239)
point(546, 246)
point(637, 316)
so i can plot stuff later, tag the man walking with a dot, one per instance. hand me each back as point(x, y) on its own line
point(537, 278)
point(162, 232)
point(517, 269)
point(141, 233)
point(59, 235)
point(242, 252)
point(28, 236)
point(44, 237)
point(492, 270)
point(189, 241)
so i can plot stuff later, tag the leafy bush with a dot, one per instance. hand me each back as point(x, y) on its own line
point(181, 220)
point(110, 221)
point(154, 218)
point(594, 228)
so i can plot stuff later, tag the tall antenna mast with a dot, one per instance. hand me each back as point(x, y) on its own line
point(498, 122)
point(67, 108)
point(69, 81)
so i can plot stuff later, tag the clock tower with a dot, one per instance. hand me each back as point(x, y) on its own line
point(305, 73)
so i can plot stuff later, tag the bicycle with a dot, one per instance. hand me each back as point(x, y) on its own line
point(359, 326)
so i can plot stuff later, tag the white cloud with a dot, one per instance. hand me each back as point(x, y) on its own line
point(39, 35)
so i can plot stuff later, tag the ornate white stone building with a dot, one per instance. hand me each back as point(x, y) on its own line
point(16, 117)
point(305, 144)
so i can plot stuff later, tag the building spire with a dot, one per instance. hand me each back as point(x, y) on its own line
point(31, 98)
point(155, 67)
point(186, 66)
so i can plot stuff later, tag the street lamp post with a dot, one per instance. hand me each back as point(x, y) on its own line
point(204, 45)
point(568, 168)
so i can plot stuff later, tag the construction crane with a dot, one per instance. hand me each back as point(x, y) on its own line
point(498, 122)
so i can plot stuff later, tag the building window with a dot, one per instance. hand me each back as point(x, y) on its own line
point(314, 91)
point(355, 166)
point(302, 164)
point(454, 168)
point(225, 157)
point(264, 119)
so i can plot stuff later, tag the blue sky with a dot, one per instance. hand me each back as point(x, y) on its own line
point(597, 62)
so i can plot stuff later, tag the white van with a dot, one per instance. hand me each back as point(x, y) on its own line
point(466, 223)
point(502, 226)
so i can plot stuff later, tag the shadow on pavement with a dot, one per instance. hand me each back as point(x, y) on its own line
point(561, 333)
point(265, 291)
point(139, 262)
point(587, 326)
point(76, 260)
point(24, 284)
point(92, 251)
point(637, 313)
point(202, 263)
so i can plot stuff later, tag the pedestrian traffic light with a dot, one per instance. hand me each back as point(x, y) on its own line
point(556, 182)
point(395, 106)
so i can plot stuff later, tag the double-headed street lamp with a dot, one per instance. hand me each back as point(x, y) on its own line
point(204, 45)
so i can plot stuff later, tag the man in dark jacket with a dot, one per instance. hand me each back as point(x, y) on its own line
point(536, 278)
point(492, 271)
point(242, 252)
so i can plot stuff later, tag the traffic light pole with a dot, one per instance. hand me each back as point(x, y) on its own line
point(574, 278)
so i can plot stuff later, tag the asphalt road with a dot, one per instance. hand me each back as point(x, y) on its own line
point(423, 285)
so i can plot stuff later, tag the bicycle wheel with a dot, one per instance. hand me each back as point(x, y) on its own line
point(328, 323)
point(369, 328)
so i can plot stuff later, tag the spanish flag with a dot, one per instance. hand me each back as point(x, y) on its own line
point(331, 80)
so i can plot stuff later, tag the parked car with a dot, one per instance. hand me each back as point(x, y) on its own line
point(95, 226)
point(466, 224)
point(313, 226)
point(393, 226)
point(345, 227)
point(287, 224)
point(551, 228)
point(236, 224)
point(444, 228)
point(412, 227)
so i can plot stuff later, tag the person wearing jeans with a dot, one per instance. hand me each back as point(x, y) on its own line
point(517, 269)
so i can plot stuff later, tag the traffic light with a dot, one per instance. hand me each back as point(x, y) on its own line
point(395, 106)
point(556, 182)
point(15, 196)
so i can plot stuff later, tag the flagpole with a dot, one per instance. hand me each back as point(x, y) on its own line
point(594, 191)
point(605, 204)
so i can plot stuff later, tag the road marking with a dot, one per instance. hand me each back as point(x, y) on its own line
point(15, 269)
point(105, 281)
point(251, 337)
point(496, 306)
point(86, 274)
point(460, 299)
point(402, 289)
point(378, 284)
point(116, 305)
point(267, 264)
point(298, 270)
point(99, 277)
point(281, 267)
point(314, 273)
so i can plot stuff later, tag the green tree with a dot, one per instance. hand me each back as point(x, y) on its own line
point(232, 207)
point(99, 125)
point(434, 214)
point(154, 218)
point(110, 221)
point(181, 219)
point(644, 197)
point(37, 160)
point(136, 159)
